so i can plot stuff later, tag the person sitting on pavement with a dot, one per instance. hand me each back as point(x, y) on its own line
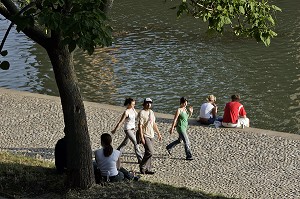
point(208, 111)
point(235, 114)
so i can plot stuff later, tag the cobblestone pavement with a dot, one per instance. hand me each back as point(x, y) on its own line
point(245, 163)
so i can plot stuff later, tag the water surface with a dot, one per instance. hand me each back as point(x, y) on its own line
point(155, 55)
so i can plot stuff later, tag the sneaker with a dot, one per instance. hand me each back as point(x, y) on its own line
point(149, 172)
point(136, 178)
point(189, 158)
point(143, 171)
point(169, 151)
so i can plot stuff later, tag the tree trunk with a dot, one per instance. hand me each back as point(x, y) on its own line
point(106, 6)
point(80, 173)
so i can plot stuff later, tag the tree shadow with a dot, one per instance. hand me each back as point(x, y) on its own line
point(19, 180)
point(140, 190)
point(38, 153)
point(23, 177)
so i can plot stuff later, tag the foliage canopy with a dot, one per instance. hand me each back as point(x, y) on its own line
point(249, 18)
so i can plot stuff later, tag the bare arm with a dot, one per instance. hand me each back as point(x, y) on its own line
point(124, 115)
point(214, 111)
point(174, 121)
point(118, 163)
point(191, 111)
point(157, 131)
point(141, 131)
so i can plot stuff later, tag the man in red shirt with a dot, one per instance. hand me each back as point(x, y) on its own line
point(235, 114)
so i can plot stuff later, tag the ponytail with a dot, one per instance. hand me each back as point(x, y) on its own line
point(106, 143)
point(107, 150)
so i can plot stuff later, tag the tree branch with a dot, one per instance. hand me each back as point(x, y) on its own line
point(37, 35)
point(4, 11)
point(10, 6)
point(8, 9)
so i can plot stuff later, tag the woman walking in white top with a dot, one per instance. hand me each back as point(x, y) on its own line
point(128, 117)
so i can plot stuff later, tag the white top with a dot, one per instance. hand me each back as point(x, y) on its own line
point(147, 119)
point(130, 120)
point(205, 110)
point(107, 165)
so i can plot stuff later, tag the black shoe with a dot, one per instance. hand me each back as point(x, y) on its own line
point(189, 158)
point(149, 172)
point(136, 178)
point(169, 151)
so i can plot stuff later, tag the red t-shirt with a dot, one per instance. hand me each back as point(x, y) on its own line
point(232, 112)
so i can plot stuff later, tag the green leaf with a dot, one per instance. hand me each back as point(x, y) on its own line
point(272, 33)
point(227, 20)
point(231, 9)
point(4, 53)
point(271, 20)
point(242, 10)
point(276, 8)
point(4, 65)
point(267, 41)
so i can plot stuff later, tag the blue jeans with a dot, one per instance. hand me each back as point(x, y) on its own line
point(182, 137)
point(130, 135)
point(212, 120)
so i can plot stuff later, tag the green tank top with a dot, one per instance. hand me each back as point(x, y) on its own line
point(182, 122)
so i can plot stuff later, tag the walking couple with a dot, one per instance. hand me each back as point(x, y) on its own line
point(146, 127)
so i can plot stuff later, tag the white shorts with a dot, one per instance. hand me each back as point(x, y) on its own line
point(241, 122)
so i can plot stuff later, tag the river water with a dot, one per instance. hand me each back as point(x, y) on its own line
point(156, 55)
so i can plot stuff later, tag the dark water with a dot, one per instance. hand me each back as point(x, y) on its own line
point(155, 55)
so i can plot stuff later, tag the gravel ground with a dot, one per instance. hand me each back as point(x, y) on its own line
point(244, 163)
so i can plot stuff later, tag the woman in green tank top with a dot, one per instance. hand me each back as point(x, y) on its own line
point(181, 123)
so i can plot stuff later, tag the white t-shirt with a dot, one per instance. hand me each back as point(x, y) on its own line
point(205, 110)
point(107, 165)
point(147, 119)
point(130, 120)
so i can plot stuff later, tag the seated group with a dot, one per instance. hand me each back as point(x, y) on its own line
point(234, 113)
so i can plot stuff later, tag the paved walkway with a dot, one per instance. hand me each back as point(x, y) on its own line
point(245, 163)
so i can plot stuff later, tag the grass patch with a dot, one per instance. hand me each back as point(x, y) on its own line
point(26, 177)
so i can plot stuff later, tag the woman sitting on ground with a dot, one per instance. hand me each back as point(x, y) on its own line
point(108, 160)
point(208, 111)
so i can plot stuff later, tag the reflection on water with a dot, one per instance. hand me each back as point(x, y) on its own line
point(157, 56)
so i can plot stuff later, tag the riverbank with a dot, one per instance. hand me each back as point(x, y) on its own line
point(245, 163)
